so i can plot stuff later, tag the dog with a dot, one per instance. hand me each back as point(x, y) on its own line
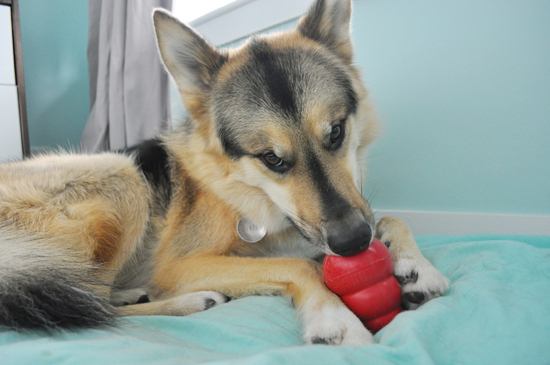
point(244, 198)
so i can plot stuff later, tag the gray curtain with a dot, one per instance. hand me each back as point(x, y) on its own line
point(129, 97)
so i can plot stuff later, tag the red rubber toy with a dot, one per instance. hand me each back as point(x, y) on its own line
point(366, 284)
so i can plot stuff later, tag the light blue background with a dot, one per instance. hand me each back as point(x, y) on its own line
point(462, 86)
point(55, 41)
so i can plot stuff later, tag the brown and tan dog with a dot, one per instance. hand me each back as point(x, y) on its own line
point(275, 134)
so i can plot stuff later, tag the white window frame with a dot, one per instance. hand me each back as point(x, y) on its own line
point(242, 18)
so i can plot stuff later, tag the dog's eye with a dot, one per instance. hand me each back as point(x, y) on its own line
point(275, 163)
point(337, 135)
point(273, 160)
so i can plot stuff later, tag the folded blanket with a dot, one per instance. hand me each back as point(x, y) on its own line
point(497, 311)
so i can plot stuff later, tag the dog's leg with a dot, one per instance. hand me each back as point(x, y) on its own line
point(181, 305)
point(326, 319)
point(131, 296)
point(419, 279)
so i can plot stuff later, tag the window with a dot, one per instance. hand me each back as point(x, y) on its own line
point(224, 21)
point(188, 11)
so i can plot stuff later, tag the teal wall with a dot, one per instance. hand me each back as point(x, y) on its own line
point(55, 36)
point(463, 89)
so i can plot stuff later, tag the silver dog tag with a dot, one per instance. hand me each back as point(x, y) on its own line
point(250, 231)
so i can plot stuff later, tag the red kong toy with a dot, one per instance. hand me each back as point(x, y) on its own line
point(366, 284)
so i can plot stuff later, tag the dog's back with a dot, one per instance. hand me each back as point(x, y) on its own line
point(63, 219)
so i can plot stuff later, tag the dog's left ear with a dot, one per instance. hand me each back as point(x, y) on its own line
point(190, 59)
point(328, 23)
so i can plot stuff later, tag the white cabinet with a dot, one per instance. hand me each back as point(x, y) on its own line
point(7, 68)
point(10, 134)
point(13, 124)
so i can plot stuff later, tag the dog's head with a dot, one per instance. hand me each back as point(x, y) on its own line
point(285, 119)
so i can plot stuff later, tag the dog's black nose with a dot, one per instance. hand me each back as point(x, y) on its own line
point(349, 238)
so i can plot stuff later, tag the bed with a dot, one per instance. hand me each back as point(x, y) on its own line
point(497, 311)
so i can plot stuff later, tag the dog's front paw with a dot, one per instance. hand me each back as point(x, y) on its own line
point(420, 281)
point(186, 304)
point(335, 325)
point(207, 299)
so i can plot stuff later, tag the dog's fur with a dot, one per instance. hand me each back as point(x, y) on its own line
point(276, 132)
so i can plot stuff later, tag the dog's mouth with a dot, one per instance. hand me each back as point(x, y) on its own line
point(355, 251)
point(340, 238)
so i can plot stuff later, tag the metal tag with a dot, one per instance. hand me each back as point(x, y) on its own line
point(250, 231)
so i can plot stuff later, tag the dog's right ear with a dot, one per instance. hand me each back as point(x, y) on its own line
point(190, 59)
point(328, 22)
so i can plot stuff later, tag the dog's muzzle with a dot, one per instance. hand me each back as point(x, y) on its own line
point(348, 237)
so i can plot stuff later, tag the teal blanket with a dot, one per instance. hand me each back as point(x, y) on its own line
point(497, 311)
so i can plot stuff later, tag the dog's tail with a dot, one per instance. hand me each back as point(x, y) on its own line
point(48, 289)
